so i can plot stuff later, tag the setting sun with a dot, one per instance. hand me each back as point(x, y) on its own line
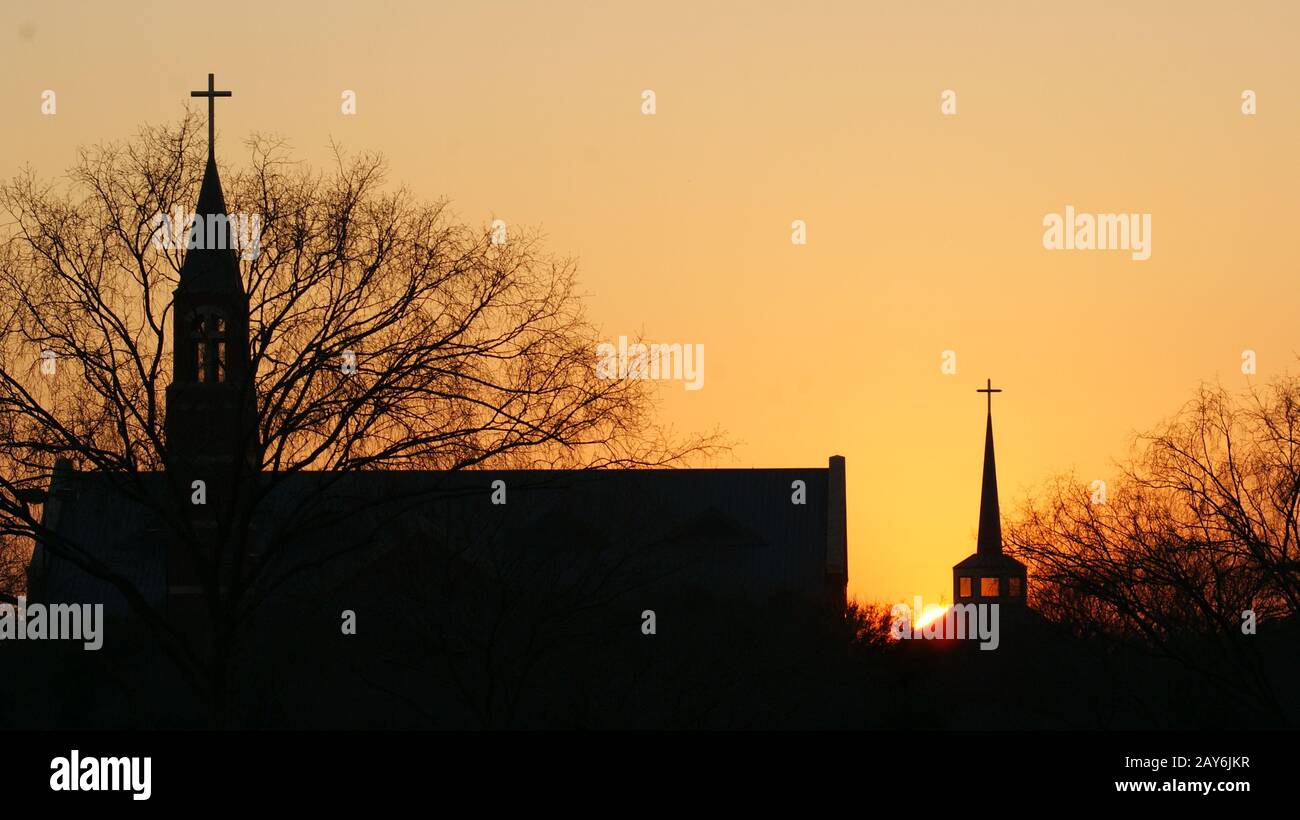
point(931, 614)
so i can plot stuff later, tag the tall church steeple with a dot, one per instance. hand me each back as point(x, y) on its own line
point(211, 427)
point(989, 576)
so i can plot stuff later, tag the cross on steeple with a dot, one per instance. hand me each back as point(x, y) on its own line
point(212, 95)
point(990, 389)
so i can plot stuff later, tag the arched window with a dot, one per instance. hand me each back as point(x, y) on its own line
point(208, 335)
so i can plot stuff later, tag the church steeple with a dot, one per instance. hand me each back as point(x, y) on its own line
point(210, 402)
point(989, 576)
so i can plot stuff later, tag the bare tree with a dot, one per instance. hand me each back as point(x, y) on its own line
point(462, 352)
point(1200, 529)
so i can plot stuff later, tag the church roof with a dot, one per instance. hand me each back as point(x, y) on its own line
point(84, 512)
point(990, 562)
point(694, 528)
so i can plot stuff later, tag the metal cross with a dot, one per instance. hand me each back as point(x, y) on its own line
point(990, 389)
point(212, 95)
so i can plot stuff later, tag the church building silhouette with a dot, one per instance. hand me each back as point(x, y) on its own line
point(752, 532)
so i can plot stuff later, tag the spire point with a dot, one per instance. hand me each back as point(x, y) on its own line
point(990, 527)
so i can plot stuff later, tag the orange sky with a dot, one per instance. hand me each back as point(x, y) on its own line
point(924, 231)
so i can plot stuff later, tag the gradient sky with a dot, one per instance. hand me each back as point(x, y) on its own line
point(924, 231)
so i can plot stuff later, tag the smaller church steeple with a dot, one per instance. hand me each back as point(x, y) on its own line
point(989, 575)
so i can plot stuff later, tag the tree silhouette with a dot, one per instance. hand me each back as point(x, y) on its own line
point(1200, 529)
